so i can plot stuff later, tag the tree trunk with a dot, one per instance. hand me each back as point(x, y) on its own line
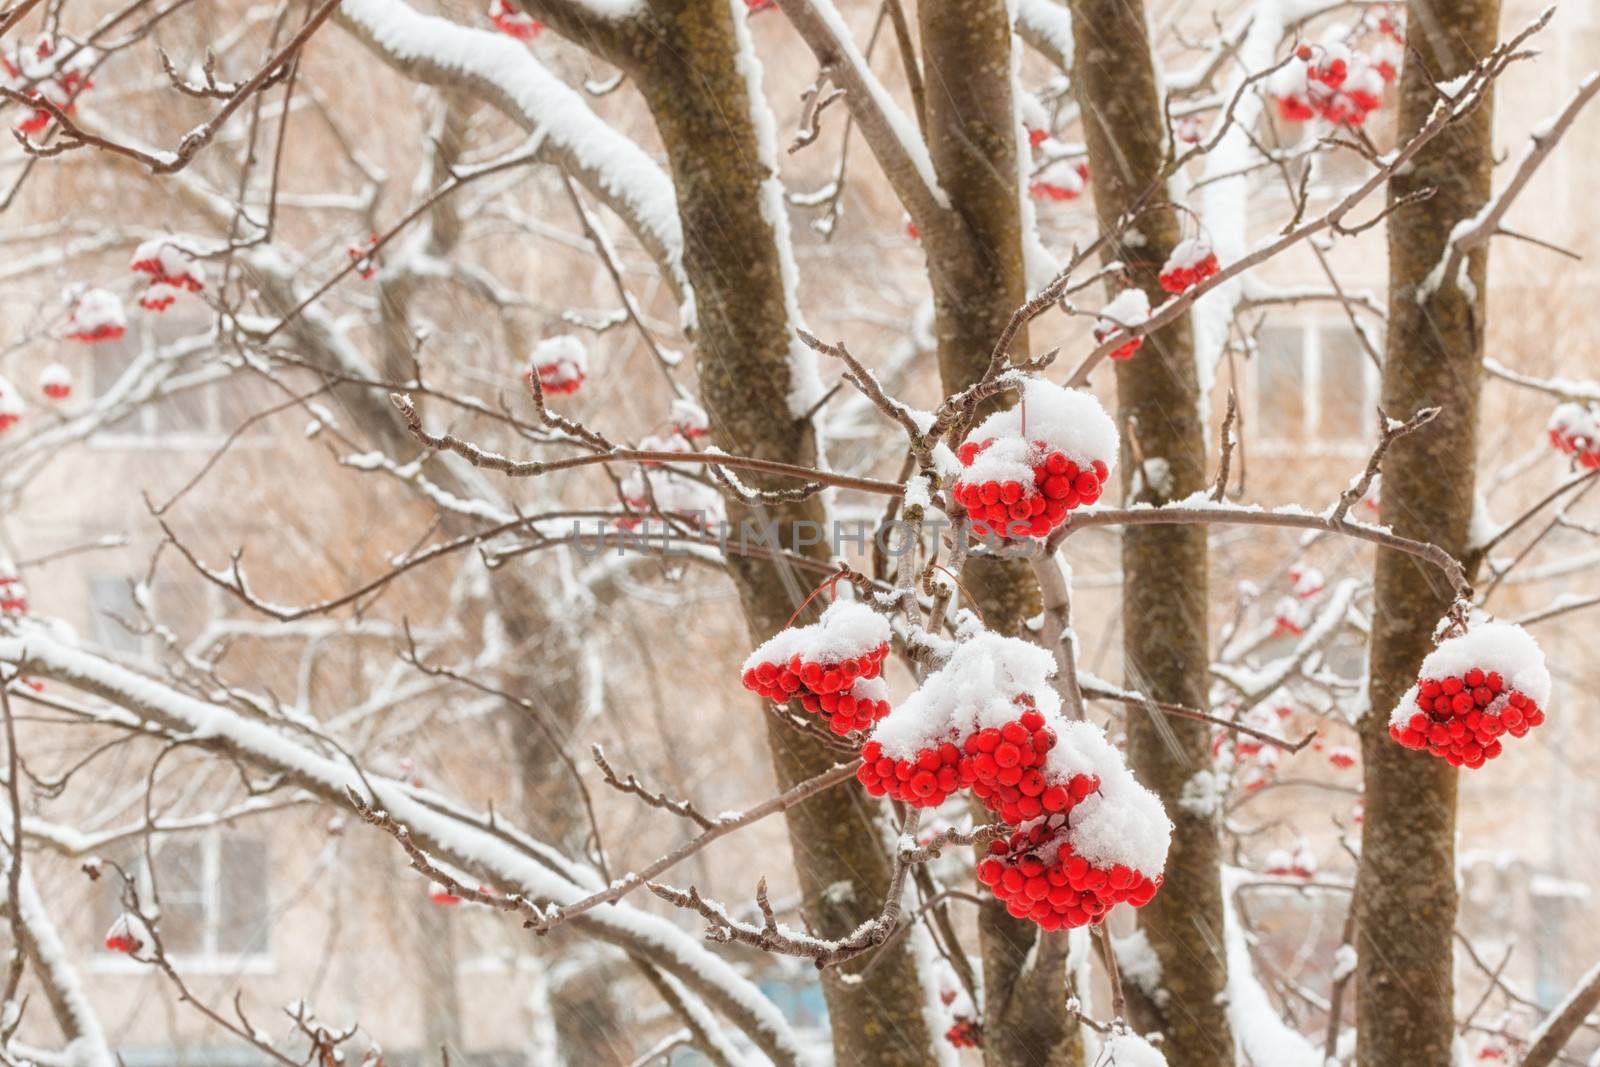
point(1164, 567)
point(1406, 889)
point(976, 266)
point(688, 73)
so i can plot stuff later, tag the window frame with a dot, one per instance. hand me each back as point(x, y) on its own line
point(149, 434)
point(1312, 442)
point(210, 960)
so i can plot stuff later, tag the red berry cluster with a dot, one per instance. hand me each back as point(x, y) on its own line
point(172, 271)
point(1185, 269)
point(514, 23)
point(1010, 509)
point(366, 266)
point(1337, 83)
point(1462, 717)
point(13, 594)
point(1007, 771)
point(1060, 181)
point(925, 781)
point(40, 77)
point(1124, 351)
point(560, 378)
point(96, 316)
point(1575, 431)
point(1038, 876)
point(826, 689)
point(964, 1033)
point(105, 331)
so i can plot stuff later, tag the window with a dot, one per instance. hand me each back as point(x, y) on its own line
point(1316, 388)
point(190, 418)
point(111, 605)
point(215, 911)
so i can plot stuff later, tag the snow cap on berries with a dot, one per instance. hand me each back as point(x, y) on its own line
point(846, 630)
point(1124, 1049)
point(97, 315)
point(1502, 647)
point(1069, 421)
point(689, 418)
point(1575, 430)
point(673, 495)
point(168, 262)
point(1128, 308)
point(1122, 822)
point(55, 381)
point(1058, 180)
point(11, 406)
point(561, 362)
point(977, 687)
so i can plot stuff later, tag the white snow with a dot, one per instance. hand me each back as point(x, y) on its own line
point(805, 387)
point(97, 309)
point(1129, 308)
point(1069, 421)
point(560, 359)
point(978, 687)
point(847, 629)
point(541, 102)
point(502, 856)
point(1502, 647)
point(1123, 1049)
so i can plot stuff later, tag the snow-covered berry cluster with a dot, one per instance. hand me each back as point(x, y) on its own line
point(11, 405)
point(13, 593)
point(963, 1033)
point(1057, 174)
point(1252, 762)
point(964, 1030)
point(55, 382)
point(1131, 307)
point(832, 667)
point(1059, 180)
point(361, 256)
point(96, 316)
point(1290, 617)
point(1301, 862)
point(562, 364)
point(173, 271)
point(689, 420)
point(1575, 430)
point(47, 70)
point(668, 491)
point(1473, 689)
point(1190, 263)
point(1026, 467)
point(1084, 834)
point(1337, 81)
point(128, 934)
point(513, 23)
point(1039, 876)
point(1306, 581)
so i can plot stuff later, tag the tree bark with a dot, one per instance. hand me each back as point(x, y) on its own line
point(975, 264)
point(686, 68)
point(1164, 567)
point(1406, 889)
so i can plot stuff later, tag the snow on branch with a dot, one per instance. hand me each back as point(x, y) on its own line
point(470, 841)
point(1487, 223)
point(498, 69)
point(892, 135)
